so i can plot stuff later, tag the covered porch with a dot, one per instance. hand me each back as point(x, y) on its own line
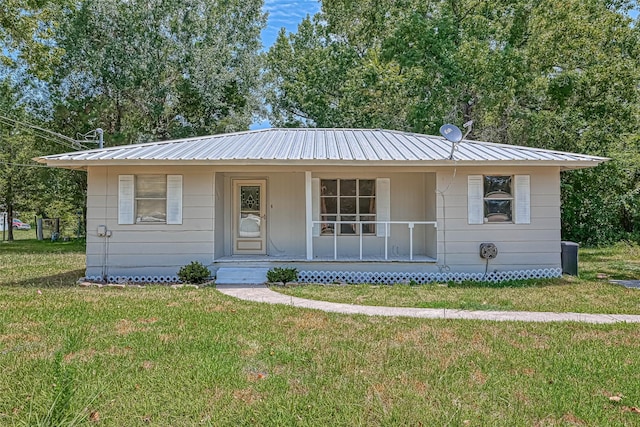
point(335, 215)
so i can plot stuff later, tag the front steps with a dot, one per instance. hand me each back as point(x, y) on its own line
point(241, 275)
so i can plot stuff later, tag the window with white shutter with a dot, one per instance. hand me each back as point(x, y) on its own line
point(474, 199)
point(150, 199)
point(499, 199)
point(383, 191)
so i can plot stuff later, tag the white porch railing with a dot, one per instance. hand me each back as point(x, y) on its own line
point(410, 224)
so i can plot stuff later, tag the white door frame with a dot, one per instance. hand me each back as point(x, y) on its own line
point(251, 238)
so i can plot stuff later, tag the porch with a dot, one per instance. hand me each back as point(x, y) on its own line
point(297, 216)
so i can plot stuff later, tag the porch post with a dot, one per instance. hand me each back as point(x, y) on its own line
point(308, 214)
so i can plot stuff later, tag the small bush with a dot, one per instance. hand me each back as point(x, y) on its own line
point(283, 275)
point(194, 272)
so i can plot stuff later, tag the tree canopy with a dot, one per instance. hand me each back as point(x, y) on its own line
point(550, 74)
point(140, 70)
point(547, 73)
point(149, 70)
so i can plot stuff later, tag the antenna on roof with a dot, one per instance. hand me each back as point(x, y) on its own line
point(452, 134)
point(468, 126)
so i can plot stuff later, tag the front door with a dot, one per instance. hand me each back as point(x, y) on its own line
point(249, 216)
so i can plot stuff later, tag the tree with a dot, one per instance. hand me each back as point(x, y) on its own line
point(26, 30)
point(558, 75)
point(162, 69)
point(16, 150)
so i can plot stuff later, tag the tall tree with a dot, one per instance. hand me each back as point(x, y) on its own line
point(26, 34)
point(16, 150)
point(559, 75)
point(159, 69)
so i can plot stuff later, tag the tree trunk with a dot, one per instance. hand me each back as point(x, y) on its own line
point(10, 221)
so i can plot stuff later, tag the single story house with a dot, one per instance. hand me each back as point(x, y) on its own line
point(355, 205)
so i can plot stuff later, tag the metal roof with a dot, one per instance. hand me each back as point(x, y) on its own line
point(313, 146)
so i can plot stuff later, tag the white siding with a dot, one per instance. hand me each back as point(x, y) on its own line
point(535, 244)
point(148, 249)
point(161, 249)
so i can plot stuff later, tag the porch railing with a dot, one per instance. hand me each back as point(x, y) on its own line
point(410, 224)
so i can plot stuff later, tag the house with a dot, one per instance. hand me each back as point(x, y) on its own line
point(355, 205)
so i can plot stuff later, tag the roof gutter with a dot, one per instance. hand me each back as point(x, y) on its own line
point(83, 164)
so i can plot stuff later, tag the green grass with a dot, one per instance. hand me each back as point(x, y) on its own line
point(161, 356)
point(584, 294)
point(29, 262)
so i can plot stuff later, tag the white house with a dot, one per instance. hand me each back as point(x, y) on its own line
point(337, 204)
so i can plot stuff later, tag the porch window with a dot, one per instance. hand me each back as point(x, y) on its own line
point(150, 199)
point(348, 200)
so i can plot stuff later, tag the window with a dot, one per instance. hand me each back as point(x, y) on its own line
point(348, 200)
point(150, 199)
point(498, 198)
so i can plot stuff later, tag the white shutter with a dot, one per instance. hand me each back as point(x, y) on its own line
point(475, 199)
point(315, 205)
point(174, 199)
point(125, 199)
point(383, 205)
point(522, 199)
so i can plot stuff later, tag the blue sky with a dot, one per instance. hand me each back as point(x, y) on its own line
point(287, 14)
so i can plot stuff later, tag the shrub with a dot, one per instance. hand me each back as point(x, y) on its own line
point(194, 272)
point(284, 275)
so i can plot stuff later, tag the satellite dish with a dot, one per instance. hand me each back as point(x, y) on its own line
point(451, 133)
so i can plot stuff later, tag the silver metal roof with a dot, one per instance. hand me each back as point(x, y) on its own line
point(312, 146)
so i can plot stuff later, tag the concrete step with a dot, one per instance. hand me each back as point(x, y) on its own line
point(241, 275)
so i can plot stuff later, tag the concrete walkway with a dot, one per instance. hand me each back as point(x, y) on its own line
point(261, 293)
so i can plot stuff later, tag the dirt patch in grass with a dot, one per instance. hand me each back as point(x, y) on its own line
point(308, 321)
point(248, 396)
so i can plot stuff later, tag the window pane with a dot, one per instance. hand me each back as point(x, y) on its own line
point(329, 205)
point(368, 228)
point(348, 228)
point(497, 210)
point(367, 205)
point(151, 211)
point(497, 186)
point(347, 187)
point(325, 227)
point(329, 187)
point(151, 186)
point(250, 198)
point(367, 187)
point(348, 205)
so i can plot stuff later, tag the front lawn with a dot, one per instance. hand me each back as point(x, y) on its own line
point(30, 262)
point(586, 294)
point(159, 356)
point(183, 357)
